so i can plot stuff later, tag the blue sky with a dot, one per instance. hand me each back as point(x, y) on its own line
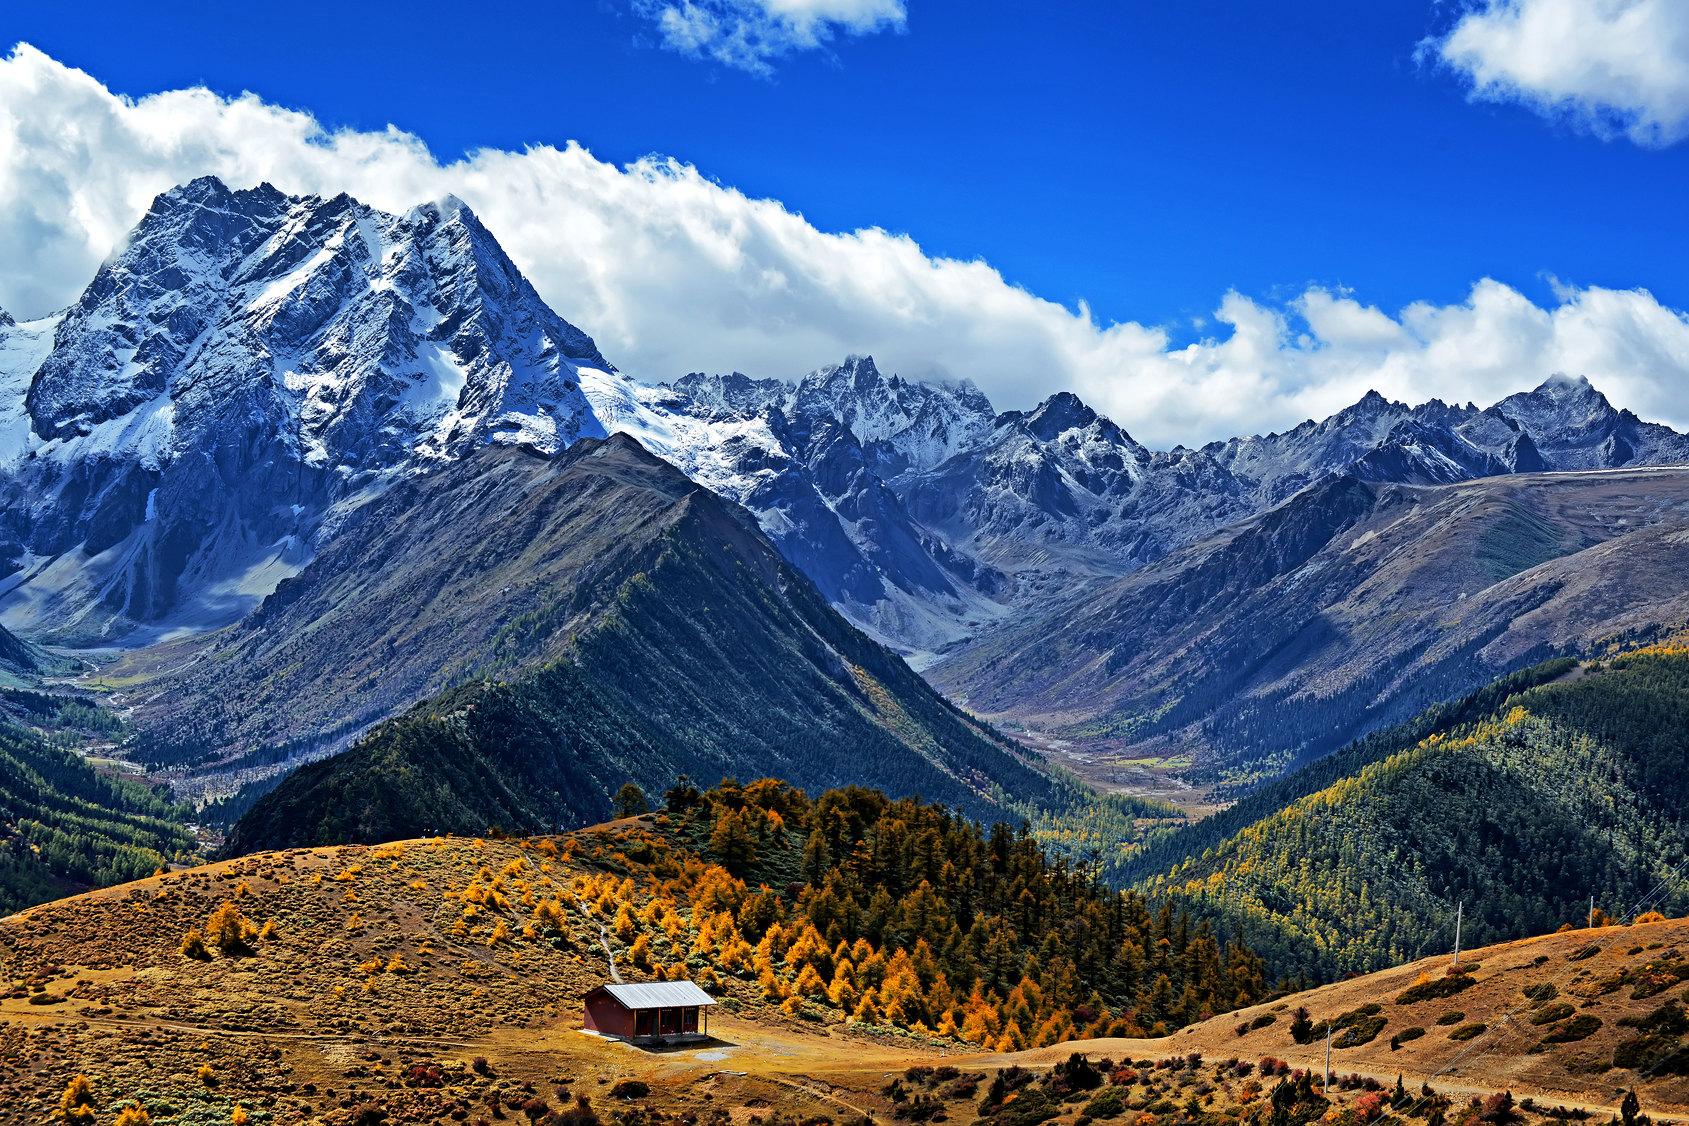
point(1143, 157)
point(1265, 209)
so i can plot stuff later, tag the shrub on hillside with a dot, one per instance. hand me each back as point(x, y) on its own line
point(1428, 987)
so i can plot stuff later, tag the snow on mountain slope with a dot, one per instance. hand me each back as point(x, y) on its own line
point(23, 347)
point(250, 368)
point(239, 375)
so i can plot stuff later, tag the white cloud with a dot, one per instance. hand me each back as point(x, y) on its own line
point(749, 33)
point(672, 273)
point(1615, 66)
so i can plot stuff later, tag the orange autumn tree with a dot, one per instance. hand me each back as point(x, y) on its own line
point(906, 914)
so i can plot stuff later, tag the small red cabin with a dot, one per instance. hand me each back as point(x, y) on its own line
point(659, 1012)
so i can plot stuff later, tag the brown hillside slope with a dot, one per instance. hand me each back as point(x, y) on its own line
point(1509, 1053)
point(361, 980)
point(366, 990)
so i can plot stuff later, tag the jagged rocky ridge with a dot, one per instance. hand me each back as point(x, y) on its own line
point(933, 493)
point(250, 368)
point(247, 363)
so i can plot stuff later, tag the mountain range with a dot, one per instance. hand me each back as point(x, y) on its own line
point(250, 367)
point(244, 435)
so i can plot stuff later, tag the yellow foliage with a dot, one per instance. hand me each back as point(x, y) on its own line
point(229, 931)
point(773, 988)
point(640, 954)
point(809, 982)
point(206, 1075)
point(132, 1116)
point(77, 1105)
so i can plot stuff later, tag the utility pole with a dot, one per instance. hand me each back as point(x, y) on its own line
point(1459, 913)
point(1592, 912)
point(1328, 1057)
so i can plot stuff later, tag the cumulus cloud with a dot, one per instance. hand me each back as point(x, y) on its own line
point(672, 272)
point(748, 34)
point(1615, 66)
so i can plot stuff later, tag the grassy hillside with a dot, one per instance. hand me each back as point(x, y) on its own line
point(1569, 1023)
point(710, 658)
point(872, 929)
point(441, 980)
point(1520, 806)
point(67, 827)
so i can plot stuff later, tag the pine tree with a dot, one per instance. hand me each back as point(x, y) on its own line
point(731, 841)
point(630, 801)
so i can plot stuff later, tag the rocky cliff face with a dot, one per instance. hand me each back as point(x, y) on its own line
point(244, 364)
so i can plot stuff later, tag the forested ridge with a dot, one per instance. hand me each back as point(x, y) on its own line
point(1520, 802)
point(700, 667)
point(66, 826)
point(1170, 848)
point(904, 913)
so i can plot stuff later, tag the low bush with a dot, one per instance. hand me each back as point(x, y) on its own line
point(1109, 1104)
point(1578, 1028)
point(1548, 1014)
point(1427, 988)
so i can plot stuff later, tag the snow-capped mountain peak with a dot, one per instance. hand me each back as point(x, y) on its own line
point(247, 360)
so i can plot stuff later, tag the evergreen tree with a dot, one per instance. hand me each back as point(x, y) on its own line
point(630, 801)
point(732, 842)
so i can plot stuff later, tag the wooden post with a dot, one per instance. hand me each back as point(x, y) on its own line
point(1459, 912)
point(1328, 1059)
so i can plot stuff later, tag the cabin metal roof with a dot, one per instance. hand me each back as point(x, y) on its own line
point(658, 995)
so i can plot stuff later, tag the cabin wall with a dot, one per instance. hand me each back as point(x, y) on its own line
point(605, 1014)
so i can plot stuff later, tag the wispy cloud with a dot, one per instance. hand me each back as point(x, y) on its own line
point(1616, 67)
point(672, 272)
point(751, 34)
